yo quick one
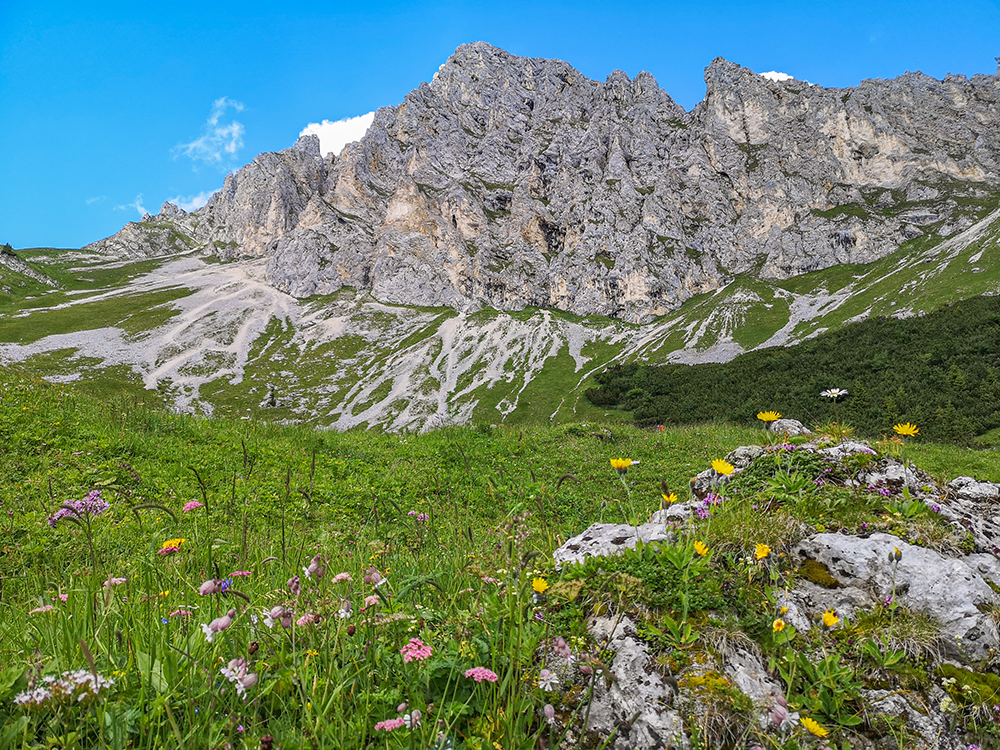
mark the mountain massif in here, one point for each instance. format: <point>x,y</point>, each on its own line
<point>514,229</point>
<point>511,183</point>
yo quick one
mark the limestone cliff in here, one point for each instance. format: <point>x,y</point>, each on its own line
<point>510,182</point>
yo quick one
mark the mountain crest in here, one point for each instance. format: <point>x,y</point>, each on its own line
<point>512,182</point>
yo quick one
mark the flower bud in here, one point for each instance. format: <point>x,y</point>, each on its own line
<point>778,715</point>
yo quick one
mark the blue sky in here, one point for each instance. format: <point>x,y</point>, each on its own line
<point>105,109</point>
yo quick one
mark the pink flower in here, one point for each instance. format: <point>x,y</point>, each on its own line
<point>113,582</point>
<point>218,625</point>
<point>342,577</point>
<point>239,573</point>
<point>167,551</point>
<point>179,613</point>
<point>307,619</point>
<point>481,673</point>
<point>211,586</point>
<point>316,568</point>
<point>371,601</point>
<point>193,505</point>
<point>46,608</point>
<point>61,597</point>
<point>415,650</point>
<point>389,724</point>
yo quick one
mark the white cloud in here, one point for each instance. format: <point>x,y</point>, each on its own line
<point>773,75</point>
<point>333,136</point>
<point>219,142</point>
<point>192,202</point>
<point>136,204</point>
<point>96,199</point>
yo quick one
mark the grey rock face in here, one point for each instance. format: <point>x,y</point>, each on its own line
<point>603,539</point>
<point>511,182</point>
<point>790,427</point>
<point>948,590</point>
<point>635,702</point>
<point>171,231</point>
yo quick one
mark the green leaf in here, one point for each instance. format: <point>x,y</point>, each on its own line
<point>151,671</point>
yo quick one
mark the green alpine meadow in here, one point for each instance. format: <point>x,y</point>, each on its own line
<point>535,411</point>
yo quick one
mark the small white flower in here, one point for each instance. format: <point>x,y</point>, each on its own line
<point>343,614</point>
<point>548,680</point>
<point>209,633</point>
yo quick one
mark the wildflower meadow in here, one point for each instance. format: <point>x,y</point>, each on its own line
<point>171,581</point>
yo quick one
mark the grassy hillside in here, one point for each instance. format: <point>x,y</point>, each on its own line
<point>210,338</point>
<point>939,370</point>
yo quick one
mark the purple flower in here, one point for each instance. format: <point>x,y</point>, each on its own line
<point>90,507</point>
<point>193,505</point>
<point>702,512</point>
<point>936,508</point>
<point>885,492</point>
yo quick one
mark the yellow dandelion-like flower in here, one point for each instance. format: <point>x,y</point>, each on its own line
<point>783,610</point>
<point>312,652</point>
<point>722,466</point>
<point>768,416</point>
<point>173,543</point>
<point>830,619</point>
<point>667,500</point>
<point>906,428</point>
<point>621,464</point>
<point>761,551</point>
<point>814,727</point>
<point>778,625</point>
<point>701,548</point>
<point>540,585</point>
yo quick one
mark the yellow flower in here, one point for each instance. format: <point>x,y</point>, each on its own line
<point>768,416</point>
<point>668,500</point>
<point>312,652</point>
<point>762,551</point>
<point>723,467</point>
<point>814,727</point>
<point>165,593</point>
<point>778,625</point>
<point>783,610</point>
<point>173,543</point>
<point>621,464</point>
<point>540,585</point>
<point>830,619</point>
<point>906,429</point>
<point>701,548</point>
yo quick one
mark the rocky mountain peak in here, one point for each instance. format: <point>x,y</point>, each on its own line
<point>510,182</point>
